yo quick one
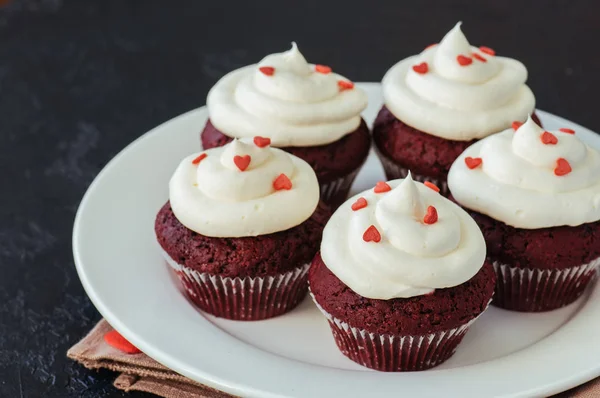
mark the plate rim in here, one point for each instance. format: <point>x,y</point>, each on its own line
<point>212,380</point>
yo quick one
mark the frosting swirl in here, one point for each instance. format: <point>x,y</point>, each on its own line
<point>530,178</point>
<point>414,256</point>
<point>238,190</point>
<point>459,92</point>
<point>288,100</point>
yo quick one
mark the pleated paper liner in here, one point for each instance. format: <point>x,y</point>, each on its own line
<point>335,192</point>
<point>395,353</point>
<point>243,299</point>
<point>536,290</point>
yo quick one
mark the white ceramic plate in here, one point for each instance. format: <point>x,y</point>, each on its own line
<point>504,354</point>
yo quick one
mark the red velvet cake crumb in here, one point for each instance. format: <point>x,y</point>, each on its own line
<point>423,154</point>
<point>545,248</point>
<point>239,257</point>
<point>443,310</point>
<point>540,269</point>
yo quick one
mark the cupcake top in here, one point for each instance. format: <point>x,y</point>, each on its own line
<point>283,97</point>
<point>530,178</point>
<point>245,188</point>
<point>456,91</point>
<point>401,239</point>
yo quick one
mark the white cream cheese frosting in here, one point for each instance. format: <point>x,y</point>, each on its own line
<point>458,92</point>
<point>288,100</point>
<point>243,189</point>
<point>530,178</point>
<point>412,256</point>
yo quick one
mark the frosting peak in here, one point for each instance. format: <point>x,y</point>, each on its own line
<point>241,149</point>
<point>285,98</point>
<point>405,199</point>
<point>400,214</point>
<point>464,92</point>
<point>454,45</point>
<point>528,144</point>
<point>290,61</point>
<point>411,257</point>
<point>232,192</point>
<point>530,178</point>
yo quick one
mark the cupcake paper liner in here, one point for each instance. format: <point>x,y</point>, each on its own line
<point>243,299</point>
<point>335,192</point>
<point>395,353</point>
<point>536,290</point>
<point>394,171</point>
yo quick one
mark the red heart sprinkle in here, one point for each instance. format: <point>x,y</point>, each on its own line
<point>516,125</point>
<point>360,203</point>
<point>566,130</point>
<point>431,45</point>
<point>487,50</point>
<point>267,70</point>
<point>242,162</point>
<point>473,163</point>
<point>431,216</point>
<point>282,182</point>
<point>323,69</point>
<point>549,138</point>
<point>562,167</point>
<point>262,142</point>
<point>199,158</point>
<point>421,68</point>
<point>431,186</point>
<point>381,187</point>
<point>345,85</point>
<point>464,61</point>
<point>479,57</point>
<point>114,339</point>
<point>372,235</point>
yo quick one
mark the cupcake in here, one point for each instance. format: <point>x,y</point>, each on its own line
<point>304,109</point>
<point>438,103</point>
<point>401,276</point>
<point>536,196</point>
<point>241,227</point>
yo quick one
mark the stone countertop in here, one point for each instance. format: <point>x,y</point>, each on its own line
<point>80,79</point>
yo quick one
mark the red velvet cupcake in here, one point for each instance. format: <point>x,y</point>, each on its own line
<point>401,276</point>
<point>536,196</point>
<point>304,109</point>
<point>240,229</point>
<point>441,101</point>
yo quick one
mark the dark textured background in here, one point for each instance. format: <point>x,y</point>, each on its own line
<point>81,79</point>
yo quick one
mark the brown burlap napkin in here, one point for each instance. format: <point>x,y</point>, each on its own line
<point>138,372</point>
